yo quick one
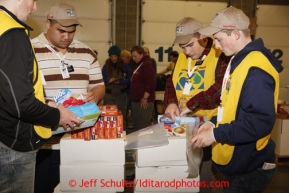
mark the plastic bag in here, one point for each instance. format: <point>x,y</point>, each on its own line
<point>194,156</point>
<point>152,136</point>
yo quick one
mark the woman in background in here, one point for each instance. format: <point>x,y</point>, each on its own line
<point>116,76</point>
<point>147,53</point>
<point>142,88</point>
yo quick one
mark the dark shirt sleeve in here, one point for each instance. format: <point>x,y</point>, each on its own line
<point>16,87</point>
<point>255,114</point>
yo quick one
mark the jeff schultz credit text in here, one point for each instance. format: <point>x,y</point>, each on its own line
<point>146,183</point>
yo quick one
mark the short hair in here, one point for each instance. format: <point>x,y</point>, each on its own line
<point>174,54</point>
<point>125,53</point>
<point>246,32</point>
<point>197,35</point>
<point>146,50</point>
<point>138,49</point>
<point>52,21</point>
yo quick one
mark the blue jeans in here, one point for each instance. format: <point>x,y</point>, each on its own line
<point>253,182</point>
<point>16,171</point>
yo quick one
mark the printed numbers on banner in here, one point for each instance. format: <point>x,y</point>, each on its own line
<point>160,51</point>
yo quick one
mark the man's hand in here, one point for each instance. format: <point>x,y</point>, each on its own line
<point>185,110</point>
<point>204,136</point>
<point>52,104</point>
<point>90,97</point>
<point>67,118</point>
<point>172,110</point>
<point>96,94</point>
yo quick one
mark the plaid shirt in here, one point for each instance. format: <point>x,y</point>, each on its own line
<point>208,99</point>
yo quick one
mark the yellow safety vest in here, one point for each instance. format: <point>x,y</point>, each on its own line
<point>202,78</point>
<point>44,132</point>
<point>222,154</point>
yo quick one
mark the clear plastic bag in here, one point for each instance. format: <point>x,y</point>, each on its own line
<point>194,155</point>
<point>152,136</point>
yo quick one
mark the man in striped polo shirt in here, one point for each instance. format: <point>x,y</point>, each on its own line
<point>64,63</point>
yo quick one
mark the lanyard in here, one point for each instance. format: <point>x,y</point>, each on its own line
<point>191,72</point>
<point>135,71</point>
<point>137,68</point>
<point>56,53</point>
<point>226,77</point>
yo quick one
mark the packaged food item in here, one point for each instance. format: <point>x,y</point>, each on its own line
<point>113,132</point>
<point>109,127</point>
<point>67,98</point>
<point>108,110</point>
<point>180,122</point>
<point>107,133</point>
<point>179,131</point>
<point>79,134</point>
<point>100,127</point>
<point>87,113</point>
<point>168,122</point>
<point>107,122</point>
<point>74,134</point>
<point>120,125</point>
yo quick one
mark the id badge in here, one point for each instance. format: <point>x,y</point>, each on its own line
<point>220,113</point>
<point>187,88</point>
<point>64,71</point>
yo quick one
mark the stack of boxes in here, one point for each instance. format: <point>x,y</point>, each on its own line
<point>92,165</point>
<point>163,168</point>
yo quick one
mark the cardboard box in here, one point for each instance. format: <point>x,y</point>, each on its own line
<point>89,112</point>
<point>280,134</point>
<point>169,155</point>
<point>92,178</point>
<point>101,151</point>
<point>165,179</point>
